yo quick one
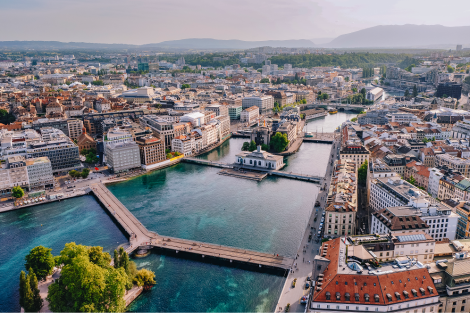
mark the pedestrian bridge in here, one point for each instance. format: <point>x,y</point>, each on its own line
<point>141,238</point>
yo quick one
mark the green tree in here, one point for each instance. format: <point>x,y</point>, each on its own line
<point>85,172</point>
<point>27,299</point>
<point>169,155</point>
<point>98,257</point>
<point>116,259</point>
<point>22,288</point>
<point>415,91</point>
<point>279,142</point>
<point>252,146</point>
<point>264,147</point>
<point>363,92</point>
<point>41,261</point>
<point>354,119</point>
<point>264,80</point>
<point>97,83</point>
<point>37,302</point>
<point>304,101</point>
<point>362,173</point>
<point>145,277</point>
<point>450,69</point>
<point>17,192</point>
<point>185,86</point>
<point>246,146</point>
<point>87,287</point>
<point>6,118</point>
<point>412,180</point>
<point>407,93</point>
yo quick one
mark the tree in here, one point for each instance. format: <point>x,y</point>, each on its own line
<point>97,83</point>
<point>144,277</point>
<point>264,147</point>
<point>37,302</point>
<point>354,119</point>
<point>41,261</point>
<point>264,80</point>
<point>415,91</point>
<point>22,288</point>
<point>85,172</point>
<point>98,257</point>
<point>6,118</point>
<point>412,180</point>
<point>279,142</point>
<point>252,146</point>
<point>246,146</point>
<point>185,86</point>
<point>86,287</point>
<point>116,259</point>
<point>407,93</point>
<point>450,69</point>
<point>17,192</point>
<point>362,173</point>
<point>27,298</point>
<point>346,78</point>
<point>363,92</point>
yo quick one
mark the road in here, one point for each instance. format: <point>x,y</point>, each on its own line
<point>307,250</point>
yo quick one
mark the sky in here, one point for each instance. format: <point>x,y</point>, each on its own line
<point>152,21</point>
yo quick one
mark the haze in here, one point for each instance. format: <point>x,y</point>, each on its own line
<point>151,21</point>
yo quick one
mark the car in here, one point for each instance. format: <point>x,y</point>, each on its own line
<point>323,214</point>
<point>304,299</point>
<point>307,285</point>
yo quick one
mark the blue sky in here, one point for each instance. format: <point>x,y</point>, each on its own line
<point>150,21</point>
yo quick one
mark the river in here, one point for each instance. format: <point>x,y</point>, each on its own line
<point>186,201</point>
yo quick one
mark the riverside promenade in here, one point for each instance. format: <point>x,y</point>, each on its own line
<point>140,238</point>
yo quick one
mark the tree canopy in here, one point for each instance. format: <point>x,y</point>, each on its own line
<point>17,192</point>
<point>279,142</point>
<point>362,173</point>
<point>6,118</point>
<point>41,261</point>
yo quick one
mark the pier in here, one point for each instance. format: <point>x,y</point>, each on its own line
<point>141,238</point>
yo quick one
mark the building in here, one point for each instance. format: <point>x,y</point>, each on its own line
<point>340,214</point>
<point>354,151</point>
<point>250,115</point>
<point>219,109</point>
<point>122,156</point>
<point>234,111</point>
<point>376,117</point>
<point>183,144</point>
<point>455,163</point>
<point>435,175</point>
<point>61,124</point>
<point>264,103</point>
<point>419,172</point>
<point>397,162</point>
<point>40,173</point>
<point>260,159</point>
<point>85,141</point>
<point>290,130</point>
<point>402,207</point>
<point>341,283</point>
<point>13,173</point>
<point>152,150</point>
<point>449,89</point>
<point>75,128</point>
<point>375,94</point>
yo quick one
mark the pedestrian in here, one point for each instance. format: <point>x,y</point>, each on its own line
<point>303,260</point>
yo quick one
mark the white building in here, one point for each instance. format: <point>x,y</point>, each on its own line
<point>435,176</point>
<point>260,159</point>
<point>250,115</point>
<point>375,94</point>
<point>183,144</point>
<point>264,103</point>
<point>122,157</point>
<point>40,173</point>
<point>195,118</point>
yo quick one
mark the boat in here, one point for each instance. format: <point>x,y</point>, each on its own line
<point>316,115</point>
<point>332,111</point>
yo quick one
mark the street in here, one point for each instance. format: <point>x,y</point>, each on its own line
<point>307,249</point>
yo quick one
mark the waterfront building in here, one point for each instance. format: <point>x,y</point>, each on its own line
<point>376,117</point>
<point>40,173</point>
<point>195,118</point>
<point>250,115</point>
<point>261,135</point>
<point>264,103</point>
<point>13,173</point>
<point>234,111</point>
<point>342,284</point>
<point>375,94</point>
<point>166,130</point>
<point>183,144</point>
<point>260,159</point>
<point>152,150</point>
<point>122,156</point>
<point>290,130</point>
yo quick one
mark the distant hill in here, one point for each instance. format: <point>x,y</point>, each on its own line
<point>45,45</point>
<point>208,43</point>
<point>404,36</point>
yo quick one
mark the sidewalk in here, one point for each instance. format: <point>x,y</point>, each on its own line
<point>303,268</point>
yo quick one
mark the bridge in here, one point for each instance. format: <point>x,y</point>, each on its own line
<point>141,238</point>
<point>297,176</point>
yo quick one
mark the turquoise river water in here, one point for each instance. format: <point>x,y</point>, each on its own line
<point>186,201</point>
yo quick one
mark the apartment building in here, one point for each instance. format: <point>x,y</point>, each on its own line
<point>40,173</point>
<point>234,111</point>
<point>435,175</point>
<point>354,151</point>
<point>161,128</point>
<point>13,173</point>
<point>122,156</point>
<point>152,150</point>
<point>250,115</point>
<point>400,206</point>
<point>341,284</point>
<point>218,109</point>
<point>455,163</point>
<point>75,128</point>
<point>183,144</point>
<point>264,103</point>
<point>290,130</point>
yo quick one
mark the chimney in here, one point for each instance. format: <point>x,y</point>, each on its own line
<point>259,148</point>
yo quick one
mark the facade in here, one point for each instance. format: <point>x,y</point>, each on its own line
<point>62,153</point>
<point>40,173</point>
<point>218,109</point>
<point>260,159</point>
<point>183,145</point>
<point>250,115</point>
<point>290,130</point>
<point>355,152</point>
<point>455,163</point>
<point>75,128</point>
<point>264,103</point>
<point>342,284</point>
<point>234,111</point>
<point>449,89</point>
<point>122,157</point>
<point>152,150</point>
<point>375,94</point>
<point>13,173</point>
<point>376,117</point>
<point>435,176</point>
